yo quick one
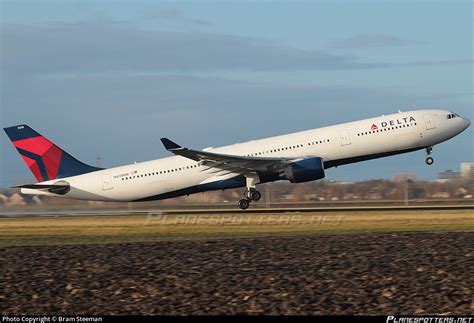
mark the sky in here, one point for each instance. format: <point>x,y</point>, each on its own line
<point>109,78</point>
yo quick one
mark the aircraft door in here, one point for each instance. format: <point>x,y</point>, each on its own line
<point>429,122</point>
<point>345,138</point>
<point>107,182</point>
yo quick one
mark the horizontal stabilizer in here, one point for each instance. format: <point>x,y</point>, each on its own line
<point>56,189</point>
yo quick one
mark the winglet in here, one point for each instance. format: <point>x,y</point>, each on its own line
<point>169,145</point>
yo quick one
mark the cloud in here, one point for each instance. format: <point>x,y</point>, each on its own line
<point>214,110</point>
<point>118,47</point>
<point>374,40</point>
<point>438,62</point>
<point>98,48</point>
<point>162,14</point>
<point>123,118</point>
<point>173,15</point>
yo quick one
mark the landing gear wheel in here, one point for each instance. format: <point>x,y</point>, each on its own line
<point>429,161</point>
<point>255,195</point>
<point>247,194</point>
<point>244,204</point>
<point>252,195</point>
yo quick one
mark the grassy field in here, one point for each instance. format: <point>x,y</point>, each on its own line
<point>120,229</point>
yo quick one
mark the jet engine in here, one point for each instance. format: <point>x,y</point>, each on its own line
<point>305,170</point>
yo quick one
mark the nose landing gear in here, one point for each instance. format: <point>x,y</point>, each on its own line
<point>429,160</point>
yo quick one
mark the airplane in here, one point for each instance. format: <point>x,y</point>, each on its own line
<point>297,157</point>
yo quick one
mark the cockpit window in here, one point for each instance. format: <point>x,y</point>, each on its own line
<point>452,115</point>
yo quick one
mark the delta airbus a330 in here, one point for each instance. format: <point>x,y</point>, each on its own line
<point>297,157</point>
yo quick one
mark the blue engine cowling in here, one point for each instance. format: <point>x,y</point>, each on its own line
<point>305,170</point>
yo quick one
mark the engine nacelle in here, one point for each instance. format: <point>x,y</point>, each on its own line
<point>305,170</point>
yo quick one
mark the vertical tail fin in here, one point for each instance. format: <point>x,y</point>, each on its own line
<point>45,160</point>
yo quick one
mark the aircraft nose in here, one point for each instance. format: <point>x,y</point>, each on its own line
<point>467,123</point>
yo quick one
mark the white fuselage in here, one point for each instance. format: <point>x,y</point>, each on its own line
<point>336,145</point>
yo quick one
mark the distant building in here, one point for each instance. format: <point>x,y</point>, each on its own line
<point>448,175</point>
<point>467,170</point>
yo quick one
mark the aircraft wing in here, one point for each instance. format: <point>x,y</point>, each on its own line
<point>228,163</point>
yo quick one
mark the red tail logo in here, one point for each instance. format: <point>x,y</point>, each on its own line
<point>43,159</point>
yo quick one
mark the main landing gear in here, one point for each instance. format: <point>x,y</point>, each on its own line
<point>429,160</point>
<point>250,194</point>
